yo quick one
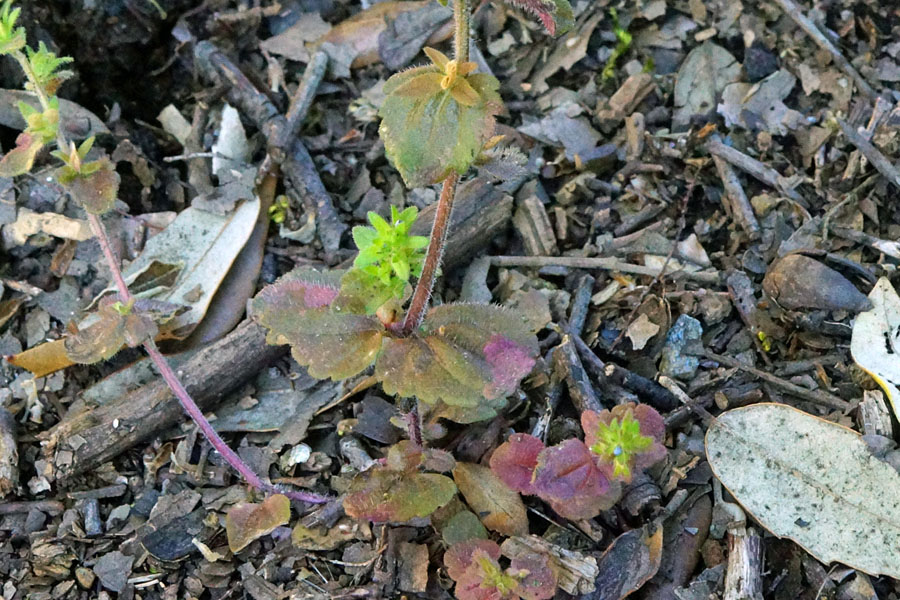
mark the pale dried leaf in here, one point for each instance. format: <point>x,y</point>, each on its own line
<point>812,481</point>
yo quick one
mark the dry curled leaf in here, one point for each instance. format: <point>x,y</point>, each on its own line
<point>246,522</point>
<point>500,508</point>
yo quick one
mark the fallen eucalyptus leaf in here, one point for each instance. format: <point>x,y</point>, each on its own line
<point>812,481</point>
<point>875,345</point>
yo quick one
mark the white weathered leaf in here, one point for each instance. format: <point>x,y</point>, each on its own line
<point>875,344</point>
<point>700,80</point>
<point>812,481</point>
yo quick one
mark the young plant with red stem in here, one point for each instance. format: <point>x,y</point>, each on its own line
<point>94,184</point>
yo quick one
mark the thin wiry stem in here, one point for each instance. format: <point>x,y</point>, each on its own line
<point>165,369</point>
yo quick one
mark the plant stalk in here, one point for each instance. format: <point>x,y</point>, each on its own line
<point>441,227</point>
<point>165,370</point>
<point>425,285</point>
<point>461,19</point>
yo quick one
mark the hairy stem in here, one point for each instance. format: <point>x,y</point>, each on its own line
<point>461,18</point>
<point>414,426</point>
<point>439,230</point>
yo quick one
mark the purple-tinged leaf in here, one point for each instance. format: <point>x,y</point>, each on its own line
<point>537,580</point>
<point>514,461</point>
<point>628,437</point>
<point>474,566</point>
<point>555,15</point>
<point>509,362</point>
<point>247,522</point>
<point>458,557</point>
<point>454,356</point>
<point>567,478</point>
<point>331,342</point>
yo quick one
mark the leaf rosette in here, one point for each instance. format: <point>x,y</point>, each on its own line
<point>465,355</point>
<point>436,119</point>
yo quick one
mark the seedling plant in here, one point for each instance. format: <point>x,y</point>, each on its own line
<point>437,121</point>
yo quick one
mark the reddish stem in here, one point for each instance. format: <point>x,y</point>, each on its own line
<point>414,426</point>
<point>171,379</point>
<point>439,230</point>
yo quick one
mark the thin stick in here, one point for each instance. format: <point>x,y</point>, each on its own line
<point>814,396</point>
<point>662,271</point>
<point>873,154</point>
<point>439,231</point>
<point>752,167</point>
<point>791,9</point>
<point>599,262</point>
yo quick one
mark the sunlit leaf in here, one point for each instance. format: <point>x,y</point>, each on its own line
<point>462,354</point>
<point>382,495</point>
<point>437,121</point>
<point>628,437</point>
<point>332,343</point>
<point>514,461</point>
<point>567,478</point>
<point>875,344</point>
<point>247,522</point>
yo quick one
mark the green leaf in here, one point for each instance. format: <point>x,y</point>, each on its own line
<point>247,522</point>
<point>46,68</point>
<point>364,293</point>
<point>364,236</point>
<point>427,132</point>
<point>463,354</point>
<point>332,343</point>
<point>12,38</point>
<point>387,257</point>
<point>461,527</point>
